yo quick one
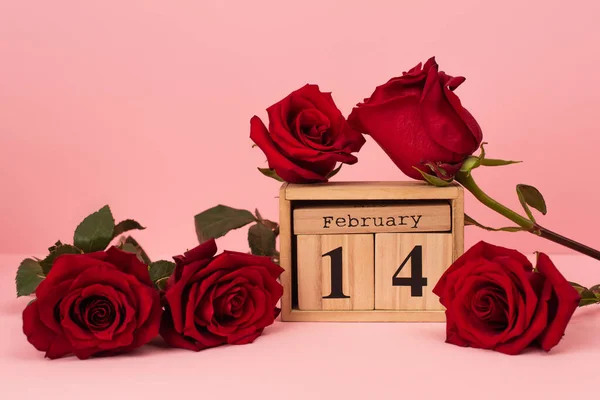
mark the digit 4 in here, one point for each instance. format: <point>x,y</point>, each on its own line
<point>416,281</point>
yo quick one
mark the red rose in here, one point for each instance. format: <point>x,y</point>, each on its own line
<point>495,300</point>
<point>98,303</point>
<point>419,122</point>
<point>307,136</point>
<point>212,300</point>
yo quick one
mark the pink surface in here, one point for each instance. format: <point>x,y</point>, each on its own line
<point>311,361</point>
<point>145,104</point>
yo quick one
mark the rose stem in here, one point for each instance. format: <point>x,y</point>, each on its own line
<point>469,183</point>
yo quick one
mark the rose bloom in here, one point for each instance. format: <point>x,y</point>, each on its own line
<point>419,122</point>
<point>210,301</point>
<point>93,304</point>
<point>495,300</point>
<point>307,136</point>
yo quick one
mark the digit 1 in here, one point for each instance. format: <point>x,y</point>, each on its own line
<point>337,290</point>
<point>416,280</point>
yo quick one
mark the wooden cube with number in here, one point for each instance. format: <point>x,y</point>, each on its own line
<point>367,251</point>
<point>335,272</point>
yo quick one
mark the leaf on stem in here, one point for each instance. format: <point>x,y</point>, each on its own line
<point>29,276</point>
<point>491,162</point>
<point>334,172</point>
<point>470,163</point>
<point>131,245</point>
<point>126,226</point>
<point>473,162</point>
<point>218,221</point>
<point>160,269</point>
<point>55,252</point>
<point>161,284</point>
<point>530,196</point>
<point>588,296</point>
<point>270,173</point>
<point>261,240</point>
<point>95,232</point>
<point>471,221</point>
<point>434,180</point>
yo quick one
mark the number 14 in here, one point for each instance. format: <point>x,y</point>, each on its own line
<point>416,281</point>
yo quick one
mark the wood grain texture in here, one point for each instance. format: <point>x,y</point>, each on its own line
<point>410,190</point>
<point>458,224</point>
<point>315,272</point>
<point>432,216</point>
<point>366,316</point>
<point>285,252</point>
<point>391,250</point>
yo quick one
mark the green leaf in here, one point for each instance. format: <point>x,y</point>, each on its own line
<point>57,244</point>
<point>161,269</point>
<point>576,285</point>
<point>491,162</point>
<point>29,276</point>
<point>270,173</point>
<point>57,251</point>
<point>161,284</point>
<point>530,196</point>
<point>470,163</point>
<point>473,162</point>
<point>334,172</point>
<point>588,297</point>
<point>274,226</point>
<point>596,290</point>
<point>432,179</point>
<point>131,245</point>
<point>126,226</point>
<point>95,232</point>
<point>217,221</point>
<point>471,221</point>
<point>261,240</point>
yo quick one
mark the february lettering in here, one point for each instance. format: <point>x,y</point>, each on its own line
<point>353,222</point>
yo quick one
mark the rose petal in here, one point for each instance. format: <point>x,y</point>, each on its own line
<point>129,264</point>
<point>285,168</point>
<point>396,127</point>
<point>247,339</point>
<point>566,301</point>
<point>536,326</point>
<point>441,121</point>
<point>40,336</point>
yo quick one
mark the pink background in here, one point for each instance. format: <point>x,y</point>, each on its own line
<point>145,105</point>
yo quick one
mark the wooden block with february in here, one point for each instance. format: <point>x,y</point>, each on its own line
<point>432,216</point>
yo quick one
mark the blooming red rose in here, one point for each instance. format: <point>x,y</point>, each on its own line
<point>495,300</point>
<point>307,136</point>
<point>212,300</point>
<point>419,122</point>
<point>93,304</point>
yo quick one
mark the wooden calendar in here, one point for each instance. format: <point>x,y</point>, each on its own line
<point>367,251</point>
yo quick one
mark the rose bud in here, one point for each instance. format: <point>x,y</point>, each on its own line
<point>495,300</point>
<point>93,304</point>
<point>307,136</point>
<point>419,122</point>
<point>210,301</point>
